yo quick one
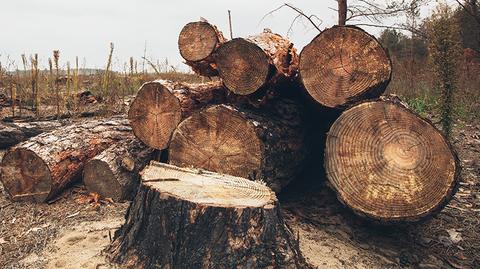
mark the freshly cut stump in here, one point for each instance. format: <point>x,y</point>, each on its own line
<point>197,42</point>
<point>114,173</point>
<point>160,106</point>
<point>249,64</point>
<point>387,163</point>
<point>244,143</point>
<point>182,218</point>
<point>344,65</point>
<point>41,167</point>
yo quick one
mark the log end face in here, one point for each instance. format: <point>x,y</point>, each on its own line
<point>243,66</point>
<point>25,176</point>
<point>343,65</point>
<point>218,139</point>
<point>154,115</point>
<point>99,178</point>
<point>388,164</point>
<point>197,41</point>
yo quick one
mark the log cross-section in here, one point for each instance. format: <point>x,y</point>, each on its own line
<point>387,163</point>
<point>247,65</point>
<point>344,65</point>
<point>186,218</point>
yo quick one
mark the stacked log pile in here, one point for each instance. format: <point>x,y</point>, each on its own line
<point>252,126</point>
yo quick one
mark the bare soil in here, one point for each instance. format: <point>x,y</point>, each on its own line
<point>71,232</point>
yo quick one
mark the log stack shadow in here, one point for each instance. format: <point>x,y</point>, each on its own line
<point>272,122</point>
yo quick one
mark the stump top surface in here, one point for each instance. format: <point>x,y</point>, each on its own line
<point>205,187</point>
<point>243,66</point>
<point>342,63</point>
<point>387,163</point>
<point>25,176</point>
<point>154,114</point>
<point>197,41</point>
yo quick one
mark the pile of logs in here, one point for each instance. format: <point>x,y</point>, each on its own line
<point>234,143</point>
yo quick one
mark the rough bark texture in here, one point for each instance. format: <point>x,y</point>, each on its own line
<point>342,12</point>
<point>160,106</point>
<point>387,163</point>
<point>197,43</point>
<point>41,167</point>
<point>247,65</point>
<point>16,132</point>
<point>344,65</point>
<point>114,173</point>
<point>184,218</point>
<point>266,145</point>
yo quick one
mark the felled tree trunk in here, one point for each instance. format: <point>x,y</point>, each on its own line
<point>41,167</point>
<point>183,218</point>
<point>197,42</point>
<point>160,106</point>
<point>344,65</point>
<point>14,133</point>
<point>114,173</point>
<point>247,65</point>
<point>387,163</point>
<point>266,145</point>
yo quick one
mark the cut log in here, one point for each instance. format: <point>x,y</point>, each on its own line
<point>249,64</point>
<point>114,173</point>
<point>197,42</point>
<point>387,163</point>
<point>160,106</point>
<point>12,133</point>
<point>344,65</point>
<point>267,146</point>
<point>38,169</point>
<point>183,218</point>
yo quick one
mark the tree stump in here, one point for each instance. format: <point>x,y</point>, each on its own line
<point>114,173</point>
<point>41,167</point>
<point>265,145</point>
<point>388,164</point>
<point>197,42</point>
<point>344,65</point>
<point>182,218</point>
<point>160,106</point>
<point>249,64</point>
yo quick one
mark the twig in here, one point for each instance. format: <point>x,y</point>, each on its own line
<point>300,14</point>
<point>152,65</point>
<point>230,23</point>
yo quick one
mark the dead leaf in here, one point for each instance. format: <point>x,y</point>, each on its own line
<point>455,237</point>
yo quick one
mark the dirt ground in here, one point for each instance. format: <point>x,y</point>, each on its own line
<point>71,233</point>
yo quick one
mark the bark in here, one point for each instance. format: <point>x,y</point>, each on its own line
<point>16,132</point>
<point>41,167</point>
<point>247,65</point>
<point>212,221</point>
<point>344,65</point>
<point>387,163</point>
<point>114,173</point>
<point>160,106</point>
<point>267,144</point>
<point>197,43</point>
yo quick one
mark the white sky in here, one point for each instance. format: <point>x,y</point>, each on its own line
<point>85,28</point>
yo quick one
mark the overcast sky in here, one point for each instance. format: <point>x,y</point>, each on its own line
<point>85,28</point>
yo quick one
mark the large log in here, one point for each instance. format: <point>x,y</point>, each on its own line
<point>197,43</point>
<point>344,65</point>
<point>38,169</point>
<point>247,65</point>
<point>387,163</point>
<point>12,133</point>
<point>114,173</point>
<point>182,218</point>
<point>160,106</point>
<point>267,145</point>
